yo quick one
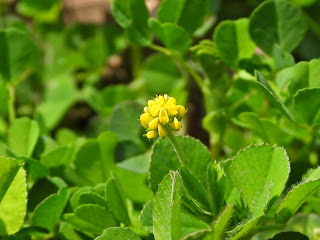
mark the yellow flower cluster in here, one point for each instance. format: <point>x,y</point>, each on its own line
<point>162,113</point>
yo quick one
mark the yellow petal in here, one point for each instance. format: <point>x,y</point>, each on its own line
<point>145,118</point>
<point>154,123</point>
<point>162,131</point>
<point>166,97</point>
<point>172,110</point>
<point>160,100</point>
<point>146,109</point>
<point>175,125</point>
<point>181,111</point>
<point>154,110</point>
<point>151,103</point>
<point>163,117</point>
<point>152,134</point>
<point>172,101</point>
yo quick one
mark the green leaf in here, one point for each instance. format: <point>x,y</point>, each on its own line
<point>118,233</point>
<point>146,216</point>
<point>91,218</point>
<point>124,121</point>
<point>189,223</point>
<point>160,74</point>
<point>244,229</point>
<point>13,196</point>
<point>48,212</point>
<point>92,198</point>
<point>60,94</point>
<point>289,236</point>
<point>271,95</point>
<point>306,103</point>
<point>116,201</point>
<point>132,174</point>
<point>95,159</point>
<point>22,136</point>
<point>17,51</point>
<point>304,75</point>
<point>188,14</point>
<point>34,168</point>
<point>57,157</point>
<point>277,22</point>
<point>166,209</point>
<point>268,130</point>
<point>222,223</point>
<point>295,198</point>
<point>133,16</point>
<point>46,10</point>
<point>233,41</point>
<point>195,188</point>
<point>281,58</point>
<point>103,101</point>
<point>67,232</point>
<point>164,159</point>
<point>173,36</point>
<point>260,174</point>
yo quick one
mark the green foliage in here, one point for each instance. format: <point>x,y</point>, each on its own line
<point>277,22</point>
<point>12,206</point>
<point>75,162</point>
<point>17,53</point>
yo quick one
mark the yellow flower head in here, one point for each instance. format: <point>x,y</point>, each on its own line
<point>161,114</point>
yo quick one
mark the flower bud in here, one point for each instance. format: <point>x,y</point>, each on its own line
<point>163,116</point>
<point>175,125</point>
<point>152,134</point>
<point>162,131</point>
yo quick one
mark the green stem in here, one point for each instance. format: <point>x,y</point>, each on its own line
<point>11,102</point>
<point>198,79</point>
<point>176,146</point>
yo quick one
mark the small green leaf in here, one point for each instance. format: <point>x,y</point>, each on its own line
<point>4,97</point>
<point>188,14</point>
<point>233,41</point>
<point>306,103</point>
<point>222,222</point>
<point>173,36</point>
<point>91,218</point>
<point>242,230</point>
<point>166,209</point>
<point>133,16</point>
<point>260,174</point>
<point>95,159</point>
<point>146,216</point>
<point>68,232</point>
<point>22,136</point>
<point>60,94</point>
<point>160,74</point>
<point>289,236</point>
<point>304,75</point>
<point>277,22</point>
<point>49,211</point>
<point>17,51</point>
<point>281,58</point>
<point>118,233</point>
<point>274,99</point>
<point>194,188</point>
<point>164,159</point>
<point>57,157</point>
<point>124,121</point>
<point>116,201</point>
<point>13,196</point>
<point>132,174</point>
<point>46,10</point>
<point>295,198</point>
